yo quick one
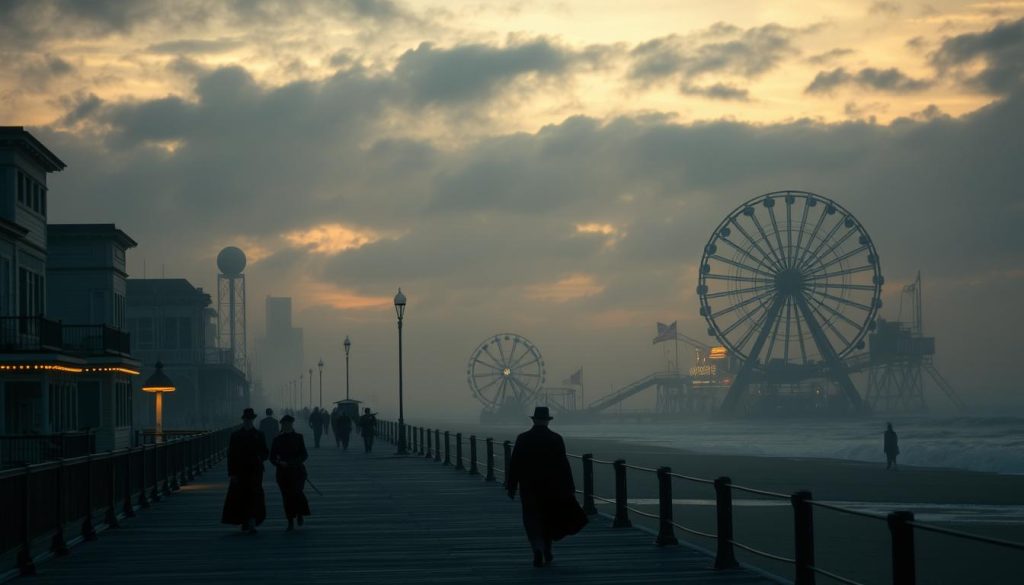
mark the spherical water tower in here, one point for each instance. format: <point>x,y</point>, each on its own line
<point>231,329</point>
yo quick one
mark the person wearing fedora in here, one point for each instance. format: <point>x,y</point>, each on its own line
<point>367,428</point>
<point>540,471</point>
<point>247,450</point>
<point>269,427</point>
<point>288,454</point>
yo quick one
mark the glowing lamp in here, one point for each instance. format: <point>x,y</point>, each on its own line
<point>400,304</point>
<point>158,384</point>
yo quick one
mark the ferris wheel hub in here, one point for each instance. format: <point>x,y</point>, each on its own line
<point>789,281</point>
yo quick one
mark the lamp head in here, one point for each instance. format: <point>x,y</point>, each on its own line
<point>320,364</point>
<point>400,304</point>
<point>348,345</point>
<point>159,381</point>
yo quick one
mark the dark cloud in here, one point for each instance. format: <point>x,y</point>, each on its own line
<point>882,7</point>
<point>1000,49</point>
<point>717,91</point>
<point>36,72</point>
<point>195,46</point>
<point>722,49</point>
<point>829,56</point>
<point>889,80</point>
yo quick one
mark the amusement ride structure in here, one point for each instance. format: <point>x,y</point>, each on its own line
<point>505,372</point>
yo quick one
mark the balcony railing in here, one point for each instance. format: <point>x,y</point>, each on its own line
<point>42,334</point>
<point>17,450</point>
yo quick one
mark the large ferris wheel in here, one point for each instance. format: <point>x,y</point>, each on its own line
<point>790,282</point>
<point>505,372</point>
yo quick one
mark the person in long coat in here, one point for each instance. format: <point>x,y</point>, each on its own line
<point>891,447</point>
<point>367,428</point>
<point>269,427</point>
<point>288,454</point>
<point>316,423</point>
<point>540,471</point>
<point>247,450</point>
<point>342,428</point>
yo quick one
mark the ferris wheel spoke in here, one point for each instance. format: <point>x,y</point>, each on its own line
<point>527,364</point>
<point>767,240</point>
<point>488,385</point>
<point>789,324</point>
<point>486,375</point>
<point>846,302</point>
<point>757,325</point>
<point>739,291</point>
<point>527,392</point>
<point>739,265</point>
<point>528,374</point>
<point>816,253</point>
<point>778,236</point>
<point>499,364</point>
<point>742,304</point>
<point>759,261</point>
<point>729,278</point>
<point>800,336</point>
<point>789,231</point>
<point>839,259</point>
<point>834,247</point>
<point>844,286</point>
<point>841,272</point>
<point>522,357</point>
<point>753,242</point>
<point>487,364</point>
<point>798,251</point>
<point>828,322</point>
<point>501,351</point>
<point>838,314</point>
<point>774,336</point>
<point>512,352</point>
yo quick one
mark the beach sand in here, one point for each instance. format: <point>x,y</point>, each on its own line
<point>854,547</point>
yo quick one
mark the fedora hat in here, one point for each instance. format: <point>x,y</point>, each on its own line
<point>248,413</point>
<point>287,418</point>
<point>541,413</point>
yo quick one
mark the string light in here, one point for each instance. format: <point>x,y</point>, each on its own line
<point>67,369</point>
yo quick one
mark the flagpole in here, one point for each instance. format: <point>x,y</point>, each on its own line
<point>677,353</point>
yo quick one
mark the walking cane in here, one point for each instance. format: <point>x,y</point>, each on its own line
<point>318,492</point>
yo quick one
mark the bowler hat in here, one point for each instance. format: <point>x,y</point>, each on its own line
<point>541,413</point>
<point>248,413</point>
<point>287,418</point>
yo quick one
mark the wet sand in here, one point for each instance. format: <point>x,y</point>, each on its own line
<point>857,548</point>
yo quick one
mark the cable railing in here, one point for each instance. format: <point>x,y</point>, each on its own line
<point>45,501</point>
<point>437,445</point>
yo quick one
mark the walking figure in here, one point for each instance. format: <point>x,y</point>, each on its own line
<point>316,423</point>
<point>367,427</point>
<point>892,447</point>
<point>269,427</point>
<point>247,450</point>
<point>540,470</point>
<point>289,455</point>
<point>342,428</point>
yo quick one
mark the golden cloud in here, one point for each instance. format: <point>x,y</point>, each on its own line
<point>571,287</point>
<point>333,238</point>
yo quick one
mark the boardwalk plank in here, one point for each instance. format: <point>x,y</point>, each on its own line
<point>381,520</point>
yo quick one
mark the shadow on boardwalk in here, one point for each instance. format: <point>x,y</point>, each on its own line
<point>380,520</point>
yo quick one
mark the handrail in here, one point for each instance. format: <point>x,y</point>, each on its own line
<point>901,524</point>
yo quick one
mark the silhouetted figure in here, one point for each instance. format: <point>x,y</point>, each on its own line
<point>316,423</point>
<point>540,471</point>
<point>325,420</point>
<point>289,455</point>
<point>367,427</point>
<point>342,428</point>
<point>247,450</point>
<point>892,447</point>
<point>269,427</point>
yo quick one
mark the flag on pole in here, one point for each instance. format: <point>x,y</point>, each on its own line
<point>666,332</point>
<point>576,379</point>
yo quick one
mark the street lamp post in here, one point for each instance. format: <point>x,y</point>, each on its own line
<point>320,365</point>
<point>159,383</point>
<point>348,347</point>
<point>302,383</point>
<point>311,388</point>
<point>400,311</point>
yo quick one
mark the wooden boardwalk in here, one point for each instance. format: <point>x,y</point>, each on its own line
<point>382,519</point>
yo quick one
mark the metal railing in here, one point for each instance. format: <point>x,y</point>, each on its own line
<point>20,450</point>
<point>901,524</point>
<point>41,334</point>
<point>47,501</point>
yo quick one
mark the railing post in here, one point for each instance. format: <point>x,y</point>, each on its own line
<point>143,501</point>
<point>154,494</point>
<point>422,449</point>
<point>904,570</point>
<point>427,451</point>
<point>490,460</point>
<point>447,449</point>
<point>588,484</point>
<point>621,499</point>
<point>127,509</point>
<point>458,453</point>
<point>507,446</point>
<point>437,444</point>
<point>666,531</point>
<point>25,563</point>
<point>174,462</point>
<point>803,538</point>
<point>58,545</point>
<point>88,530</point>
<point>472,456</point>
<point>165,447</point>
<point>725,557</point>
<point>111,517</point>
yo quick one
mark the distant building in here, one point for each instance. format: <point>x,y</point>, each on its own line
<point>171,321</point>
<point>280,353</point>
<point>65,362</point>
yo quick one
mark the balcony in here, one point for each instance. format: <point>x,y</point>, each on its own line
<point>39,334</point>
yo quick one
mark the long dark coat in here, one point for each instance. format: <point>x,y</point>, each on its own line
<point>540,471</point>
<point>342,425</point>
<point>892,443</point>
<point>289,454</point>
<point>247,450</point>
<point>367,424</point>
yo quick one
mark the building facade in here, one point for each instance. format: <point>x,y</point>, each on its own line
<point>280,355</point>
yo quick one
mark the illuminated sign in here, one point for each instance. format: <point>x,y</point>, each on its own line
<point>703,370</point>
<point>718,353</point>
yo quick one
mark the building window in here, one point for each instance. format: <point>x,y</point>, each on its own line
<point>5,287</point>
<point>31,293</point>
<point>21,187</point>
<point>145,333</point>
<point>123,404</point>
<point>185,333</point>
<point>63,407</point>
<point>119,311</point>
<point>170,333</point>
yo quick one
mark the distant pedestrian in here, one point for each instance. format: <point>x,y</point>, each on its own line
<point>269,427</point>
<point>316,423</point>
<point>892,447</point>
<point>342,428</point>
<point>325,420</point>
<point>367,428</point>
<point>247,450</point>
<point>540,471</point>
<point>289,455</point>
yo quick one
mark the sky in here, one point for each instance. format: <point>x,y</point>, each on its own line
<point>552,169</point>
